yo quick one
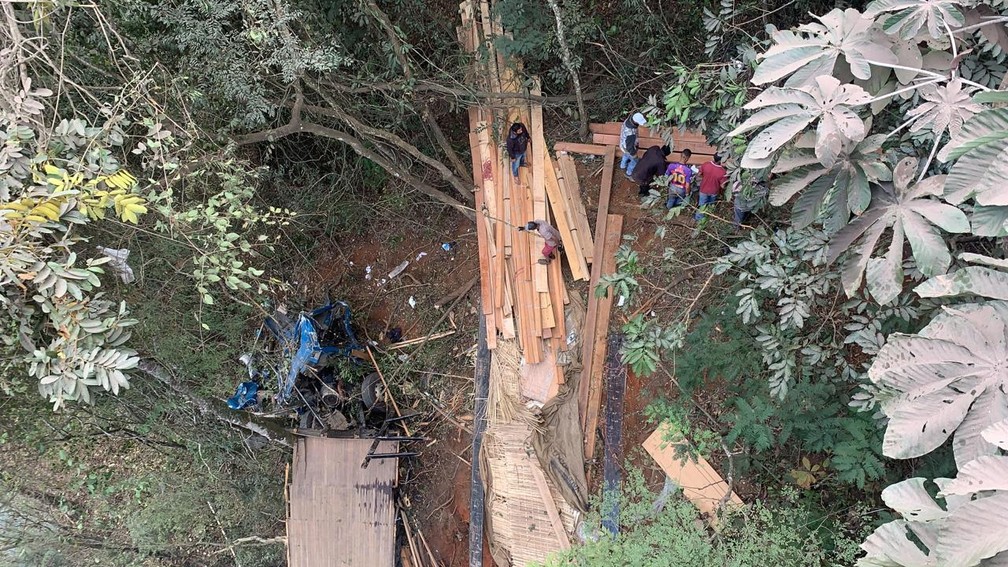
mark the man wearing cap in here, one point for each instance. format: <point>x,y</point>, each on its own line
<point>628,142</point>
<point>651,165</point>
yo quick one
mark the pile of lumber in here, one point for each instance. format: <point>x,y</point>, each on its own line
<point>607,134</point>
<point>521,298</point>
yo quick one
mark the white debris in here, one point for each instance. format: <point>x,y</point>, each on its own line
<point>622,300</point>
<point>420,255</point>
<point>367,273</point>
<point>412,302</point>
<point>398,269</point>
<point>118,263</point>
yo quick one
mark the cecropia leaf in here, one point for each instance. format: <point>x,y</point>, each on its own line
<point>890,546</point>
<point>913,15</point>
<point>813,50</point>
<point>976,280</point>
<point>911,213</point>
<point>980,149</point>
<point>911,499</point>
<point>953,370</point>
<point>975,531</point>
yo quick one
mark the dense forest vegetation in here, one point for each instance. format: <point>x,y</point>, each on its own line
<point>230,146</point>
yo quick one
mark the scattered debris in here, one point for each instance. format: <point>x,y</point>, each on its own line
<point>117,262</point>
<point>394,334</point>
<point>367,273</point>
<point>412,342</point>
<point>398,269</point>
<point>420,255</point>
<point>412,302</point>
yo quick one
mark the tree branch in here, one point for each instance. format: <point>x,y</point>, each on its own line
<point>362,150</point>
<point>460,167</point>
<point>334,111</point>
<point>244,421</point>
<point>465,95</point>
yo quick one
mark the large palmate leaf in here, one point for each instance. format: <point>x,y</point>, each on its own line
<point>976,280</point>
<point>786,112</point>
<point>981,148</point>
<point>949,378</point>
<point>912,214</point>
<point>913,15</point>
<point>830,193</point>
<point>970,529</point>
<point>813,50</point>
<point>946,106</point>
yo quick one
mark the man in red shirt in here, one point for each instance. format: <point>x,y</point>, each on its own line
<point>713,178</point>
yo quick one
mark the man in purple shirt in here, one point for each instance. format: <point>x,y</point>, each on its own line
<point>679,175</point>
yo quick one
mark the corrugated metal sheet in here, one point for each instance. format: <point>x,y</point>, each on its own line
<point>340,515</point>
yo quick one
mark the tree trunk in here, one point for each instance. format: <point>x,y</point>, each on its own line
<point>568,62</point>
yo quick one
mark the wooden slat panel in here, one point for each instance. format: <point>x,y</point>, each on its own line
<point>539,157</point>
<point>339,513</point>
<point>486,291</point>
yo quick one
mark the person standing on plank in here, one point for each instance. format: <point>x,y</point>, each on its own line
<point>517,146</point>
<point>713,178</point>
<point>679,175</point>
<point>628,142</point>
<point>550,234</point>
<point>649,167</point>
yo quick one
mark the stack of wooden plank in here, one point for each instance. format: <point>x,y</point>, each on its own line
<point>521,298</point>
<point>608,134</point>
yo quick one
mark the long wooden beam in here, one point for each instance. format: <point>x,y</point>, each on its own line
<point>588,343</point>
<point>614,233</point>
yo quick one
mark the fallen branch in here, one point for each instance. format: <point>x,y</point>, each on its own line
<point>388,392</point>
<point>421,340</point>
<point>457,293</point>
<point>242,420</point>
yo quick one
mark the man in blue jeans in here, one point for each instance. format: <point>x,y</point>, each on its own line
<point>679,175</point>
<point>628,142</point>
<point>713,178</point>
<point>517,145</point>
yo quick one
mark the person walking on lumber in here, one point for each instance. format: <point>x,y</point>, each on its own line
<point>651,165</point>
<point>550,234</point>
<point>628,142</point>
<point>713,178</point>
<point>679,175</point>
<point>517,146</point>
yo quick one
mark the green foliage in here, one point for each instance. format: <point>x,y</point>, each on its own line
<point>753,536</point>
<point>646,341</point>
<point>623,283</point>
<point>69,337</point>
<point>919,380</point>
